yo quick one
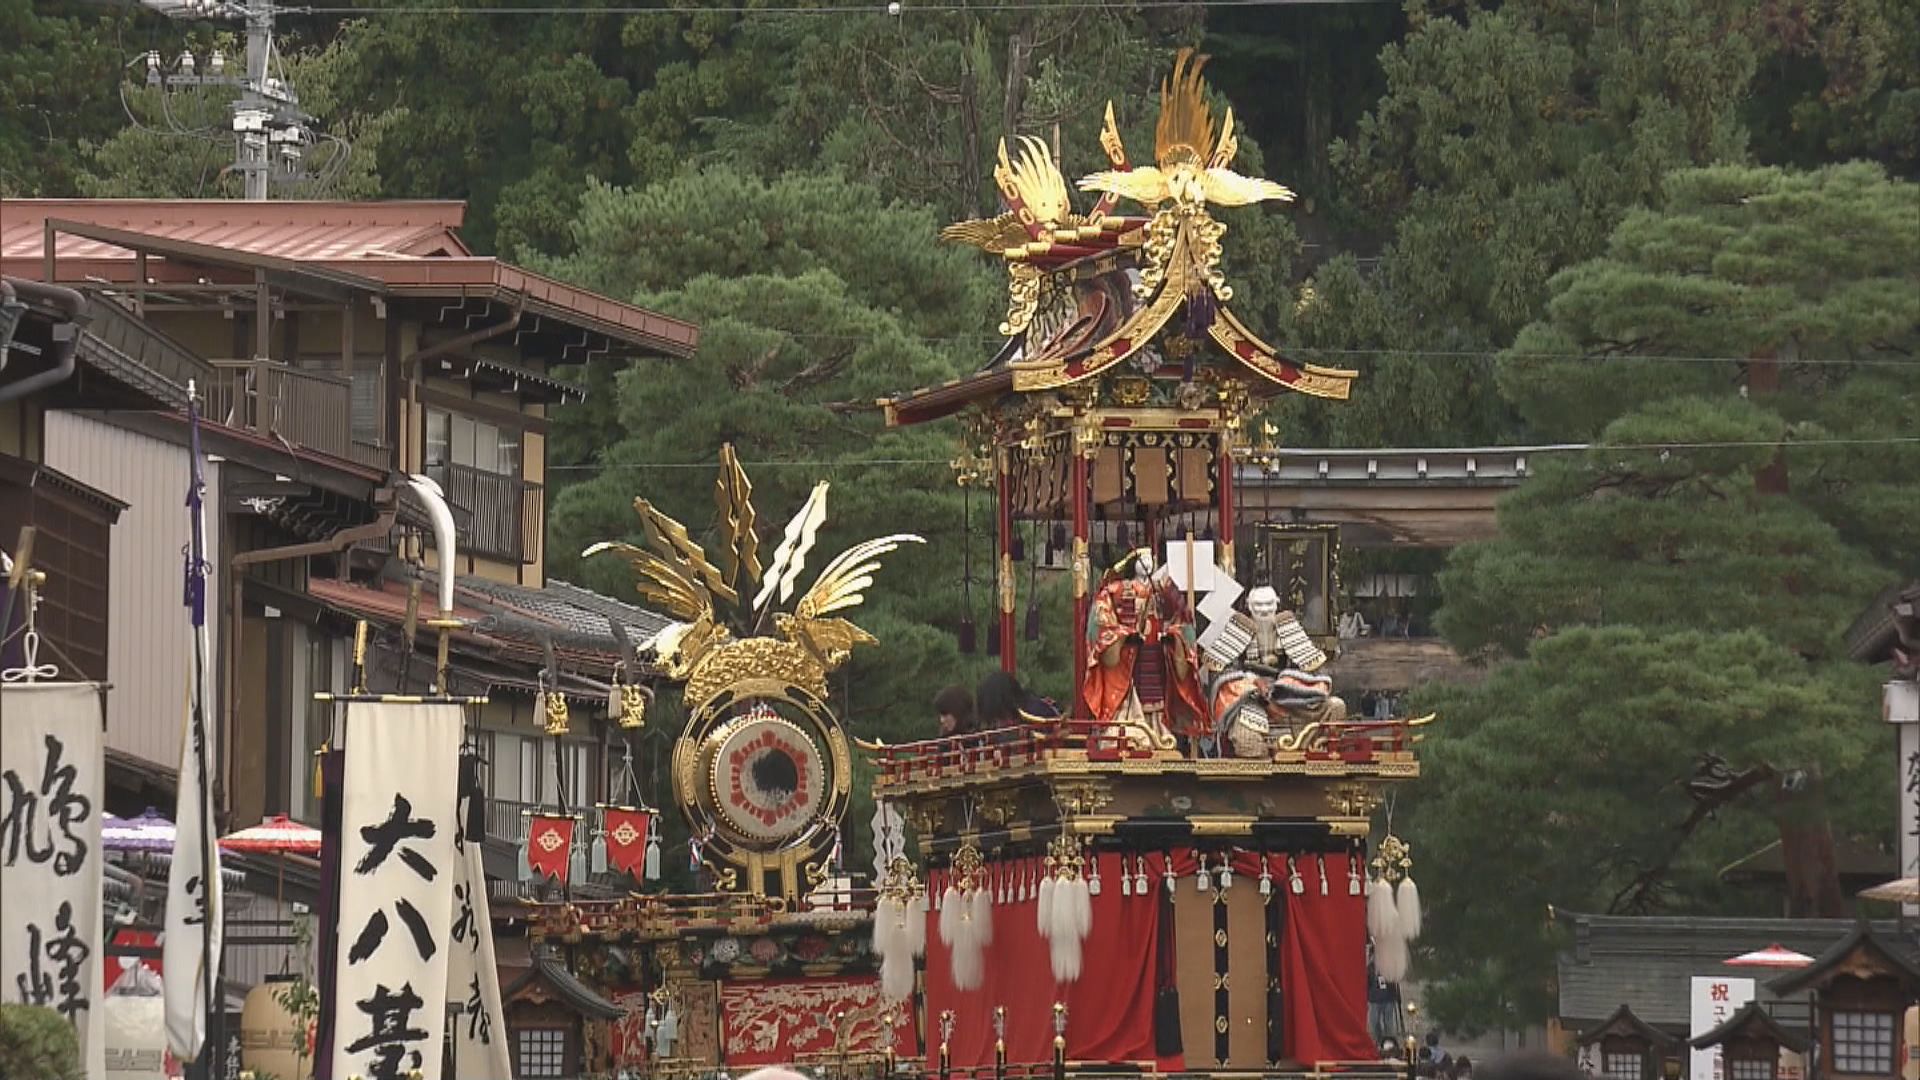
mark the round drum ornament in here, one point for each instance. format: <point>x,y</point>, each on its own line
<point>765,776</point>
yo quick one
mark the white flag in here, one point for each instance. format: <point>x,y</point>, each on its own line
<point>50,920</point>
<point>473,979</point>
<point>399,818</point>
<point>190,951</point>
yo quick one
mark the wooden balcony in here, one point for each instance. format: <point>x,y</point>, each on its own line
<point>310,409</point>
<point>506,514</point>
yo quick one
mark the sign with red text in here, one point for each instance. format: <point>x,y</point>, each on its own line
<point>1715,999</point>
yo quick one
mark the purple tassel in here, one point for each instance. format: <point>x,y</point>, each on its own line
<point>969,637</point>
<point>993,638</point>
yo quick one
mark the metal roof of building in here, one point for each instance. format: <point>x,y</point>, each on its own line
<point>287,230</point>
<point>1496,466</point>
<point>395,247</point>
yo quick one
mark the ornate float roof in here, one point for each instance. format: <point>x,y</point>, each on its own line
<point>1091,293</point>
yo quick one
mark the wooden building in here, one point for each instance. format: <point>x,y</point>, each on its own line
<point>1862,988</point>
<point>1751,1043</point>
<point>1625,1047</point>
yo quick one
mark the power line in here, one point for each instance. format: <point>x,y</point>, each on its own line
<point>888,10</point>
<point>1731,444</point>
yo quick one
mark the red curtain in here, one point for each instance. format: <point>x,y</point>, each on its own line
<point>1323,966</point>
<point>1109,1008</point>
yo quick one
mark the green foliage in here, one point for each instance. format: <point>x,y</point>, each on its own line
<point>37,1043</point>
<point>1682,587</point>
<point>1573,760</point>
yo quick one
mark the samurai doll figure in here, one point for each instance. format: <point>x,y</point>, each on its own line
<point>1268,693</point>
<point>1142,671</point>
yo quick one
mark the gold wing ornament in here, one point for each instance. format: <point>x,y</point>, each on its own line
<point>988,234</point>
<point>791,556</point>
<point>1224,187</point>
<point>1034,181</point>
<point>840,587</point>
<point>733,496</point>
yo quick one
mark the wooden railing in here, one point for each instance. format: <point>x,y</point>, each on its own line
<point>1353,742</point>
<point>507,512</point>
<point>311,409</point>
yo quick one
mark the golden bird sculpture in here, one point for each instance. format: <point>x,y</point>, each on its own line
<point>700,649</point>
<point>1191,164</point>
<point>1035,190</point>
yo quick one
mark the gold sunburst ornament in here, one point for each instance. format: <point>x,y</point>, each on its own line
<point>762,770</point>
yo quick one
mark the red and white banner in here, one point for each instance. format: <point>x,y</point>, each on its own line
<point>627,840</point>
<point>777,1021</point>
<point>627,1036</point>
<point>550,845</point>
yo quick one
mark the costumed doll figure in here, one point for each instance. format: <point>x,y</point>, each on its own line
<point>1142,672</point>
<point>1267,689</point>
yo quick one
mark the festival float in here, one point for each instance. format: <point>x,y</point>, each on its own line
<point>1175,870</point>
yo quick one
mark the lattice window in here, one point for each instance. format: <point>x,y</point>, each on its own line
<point>1625,1066</point>
<point>540,1052</point>
<point>1752,1068</point>
<point>1863,1042</point>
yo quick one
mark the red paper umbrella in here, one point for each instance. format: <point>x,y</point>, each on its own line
<point>277,835</point>
<point>1773,956</point>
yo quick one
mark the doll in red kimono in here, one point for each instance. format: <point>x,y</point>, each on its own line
<point>1141,667</point>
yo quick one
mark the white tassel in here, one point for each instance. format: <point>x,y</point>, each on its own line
<point>1390,959</point>
<point>951,913</point>
<point>1140,887</point>
<point>1126,878</point>
<point>1167,876</point>
<point>1226,871</point>
<point>882,927</point>
<point>1409,905</point>
<point>983,917</point>
<point>1045,913</point>
<point>1323,874</point>
<point>1201,879</point>
<point>653,850</point>
<point>1093,876</point>
<point>1266,876</point>
<point>1066,956</point>
<point>1353,875</point>
<point>1383,920</point>
<point>917,926</point>
<point>1294,880</point>
<point>1080,896</point>
<point>896,976</point>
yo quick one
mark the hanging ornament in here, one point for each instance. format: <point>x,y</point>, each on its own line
<point>1126,877</point>
<point>1266,875</point>
<point>1140,886</point>
<point>653,849</point>
<point>1202,881</point>
<point>1226,871</point>
<point>1294,881</point>
<point>1322,860</point>
<point>1167,873</point>
<point>1093,875</point>
<point>1354,887</point>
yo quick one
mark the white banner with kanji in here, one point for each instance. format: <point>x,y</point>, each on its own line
<point>51,776</point>
<point>398,867</point>
<point>473,979</point>
<point>1715,999</point>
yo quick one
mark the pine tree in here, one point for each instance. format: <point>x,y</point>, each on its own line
<point>1681,588</point>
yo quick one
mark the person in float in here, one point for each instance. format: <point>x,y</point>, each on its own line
<point>954,707</point>
<point>1001,702</point>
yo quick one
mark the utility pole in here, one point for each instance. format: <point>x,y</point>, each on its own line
<point>270,132</point>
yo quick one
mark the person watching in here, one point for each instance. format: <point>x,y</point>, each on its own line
<point>954,707</point>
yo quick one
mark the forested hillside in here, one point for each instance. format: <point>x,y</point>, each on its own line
<point>1684,231</point>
